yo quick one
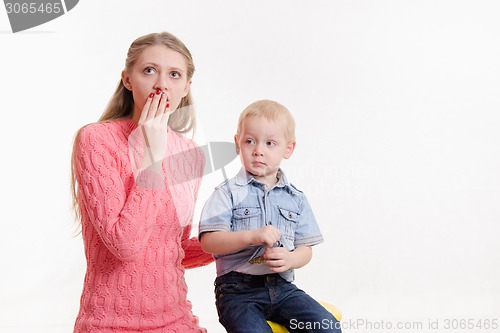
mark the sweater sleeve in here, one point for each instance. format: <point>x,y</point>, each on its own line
<point>194,255</point>
<point>124,221</point>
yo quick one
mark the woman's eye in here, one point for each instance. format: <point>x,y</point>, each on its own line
<point>175,75</point>
<point>149,70</point>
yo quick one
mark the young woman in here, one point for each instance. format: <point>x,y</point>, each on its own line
<point>135,182</point>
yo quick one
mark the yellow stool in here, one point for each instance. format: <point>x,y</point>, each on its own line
<point>277,328</point>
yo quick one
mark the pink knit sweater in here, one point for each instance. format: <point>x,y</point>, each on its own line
<point>137,238</point>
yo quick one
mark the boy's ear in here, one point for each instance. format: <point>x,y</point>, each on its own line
<point>289,149</point>
<point>237,147</point>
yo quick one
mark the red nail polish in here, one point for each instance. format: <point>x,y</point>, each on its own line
<point>168,105</point>
<point>158,91</point>
<point>151,95</point>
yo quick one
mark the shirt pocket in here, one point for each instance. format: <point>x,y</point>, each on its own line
<point>288,220</point>
<point>246,218</point>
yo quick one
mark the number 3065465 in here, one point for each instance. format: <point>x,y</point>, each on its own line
<point>32,8</point>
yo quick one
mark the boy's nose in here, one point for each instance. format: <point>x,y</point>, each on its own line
<point>257,151</point>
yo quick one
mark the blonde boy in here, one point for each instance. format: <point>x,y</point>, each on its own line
<point>259,228</point>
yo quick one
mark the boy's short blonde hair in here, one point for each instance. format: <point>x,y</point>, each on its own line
<point>270,110</point>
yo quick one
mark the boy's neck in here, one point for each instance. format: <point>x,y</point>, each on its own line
<point>270,180</point>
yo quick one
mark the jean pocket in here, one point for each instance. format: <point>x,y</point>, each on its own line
<point>231,288</point>
<point>246,218</point>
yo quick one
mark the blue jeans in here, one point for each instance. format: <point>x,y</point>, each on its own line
<point>245,302</point>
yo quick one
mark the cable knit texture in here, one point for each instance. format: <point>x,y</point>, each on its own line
<point>137,239</point>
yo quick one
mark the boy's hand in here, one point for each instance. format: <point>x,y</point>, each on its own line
<point>279,259</point>
<point>267,235</point>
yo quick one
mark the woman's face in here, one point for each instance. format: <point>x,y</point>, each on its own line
<point>157,68</point>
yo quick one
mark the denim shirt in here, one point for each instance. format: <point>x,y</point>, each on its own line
<point>243,203</point>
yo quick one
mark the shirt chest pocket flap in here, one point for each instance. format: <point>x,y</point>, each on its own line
<point>246,218</point>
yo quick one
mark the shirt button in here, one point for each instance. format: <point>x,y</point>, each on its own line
<point>246,212</point>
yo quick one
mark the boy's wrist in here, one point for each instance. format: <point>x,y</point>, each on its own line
<point>248,237</point>
<point>292,259</point>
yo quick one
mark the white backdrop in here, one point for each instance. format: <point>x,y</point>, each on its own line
<point>397,105</point>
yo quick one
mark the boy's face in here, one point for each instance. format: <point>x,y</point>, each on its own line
<point>262,145</point>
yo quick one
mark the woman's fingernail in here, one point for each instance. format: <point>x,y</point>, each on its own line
<point>168,105</point>
<point>151,95</point>
<point>158,91</point>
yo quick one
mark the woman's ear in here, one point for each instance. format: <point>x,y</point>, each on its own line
<point>126,80</point>
<point>187,88</point>
<point>289,149</point>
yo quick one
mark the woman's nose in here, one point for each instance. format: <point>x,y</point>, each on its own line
<point>161,84</point>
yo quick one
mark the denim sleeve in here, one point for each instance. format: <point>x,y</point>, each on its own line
<point>217,213</point>
<point>307,232</point>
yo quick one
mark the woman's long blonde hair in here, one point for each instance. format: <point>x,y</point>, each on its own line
<point>121,104</point>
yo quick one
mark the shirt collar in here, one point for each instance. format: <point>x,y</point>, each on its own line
<point>244,177</point>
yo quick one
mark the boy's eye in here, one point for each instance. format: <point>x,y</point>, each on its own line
<point>271,143</point>
<point>149,70</point>
<point>250,141</point>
